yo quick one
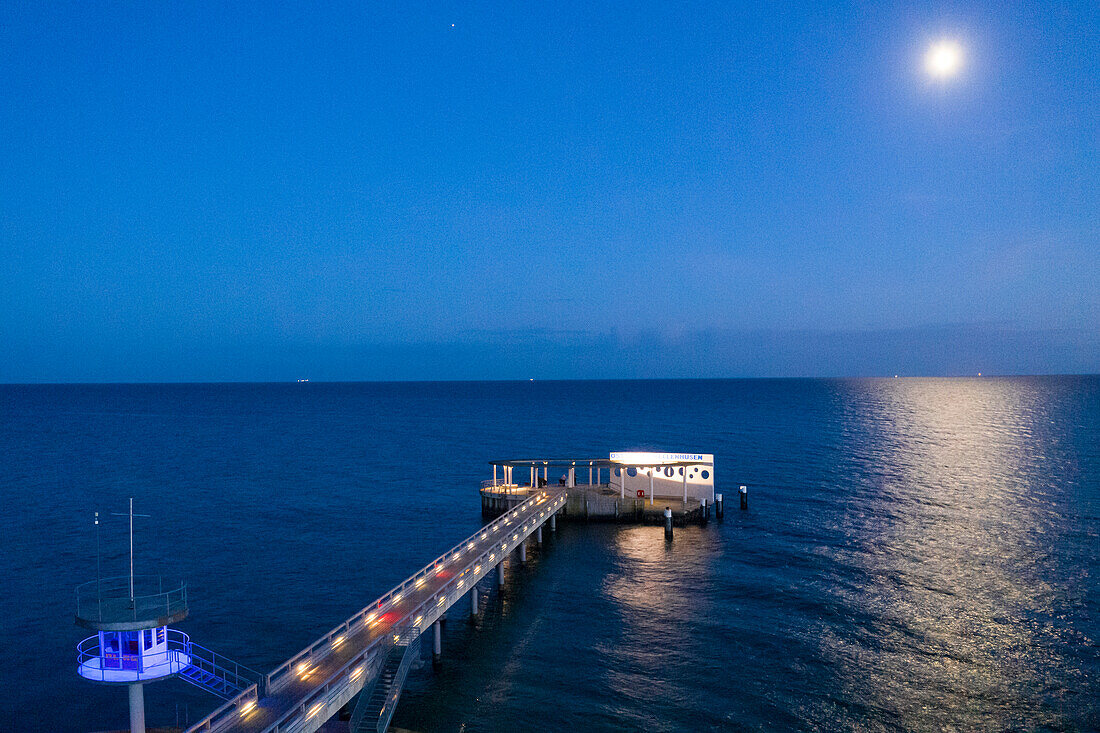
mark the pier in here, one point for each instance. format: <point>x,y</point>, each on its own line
<point>372,651</point>
<point>367,658</point>
<point>639,487</point>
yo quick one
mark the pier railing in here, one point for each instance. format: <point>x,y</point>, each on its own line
<point>239,707</point>
<point>341,685</point>
<point>322,646</point>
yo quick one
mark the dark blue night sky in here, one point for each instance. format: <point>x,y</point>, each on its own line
<point>468,191</point>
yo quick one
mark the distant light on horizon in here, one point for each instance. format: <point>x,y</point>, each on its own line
<point>943,59</point>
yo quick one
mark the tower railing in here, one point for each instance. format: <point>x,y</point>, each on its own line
<point>175,656</point>
<point>107,600</point>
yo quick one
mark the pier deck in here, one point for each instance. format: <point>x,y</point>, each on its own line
<point>311,687</point>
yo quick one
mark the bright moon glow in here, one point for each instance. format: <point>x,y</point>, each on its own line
<point>943,59</point>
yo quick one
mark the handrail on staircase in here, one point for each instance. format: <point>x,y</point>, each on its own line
<point>224,668</point>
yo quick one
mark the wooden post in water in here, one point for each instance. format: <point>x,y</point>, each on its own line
<point>668,523</point>
<point>719,507</point>
<point>744,491</point>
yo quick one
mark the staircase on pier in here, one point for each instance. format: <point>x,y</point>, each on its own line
<point>216,674</point>
<point>378,700</point>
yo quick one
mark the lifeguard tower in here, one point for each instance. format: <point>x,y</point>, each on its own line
<point>133,643</point>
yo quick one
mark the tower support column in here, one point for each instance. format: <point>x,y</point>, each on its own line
<point>137,708</point>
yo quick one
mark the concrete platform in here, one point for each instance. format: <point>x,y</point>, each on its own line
<point>598,503</point>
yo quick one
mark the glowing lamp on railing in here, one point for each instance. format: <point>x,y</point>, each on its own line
<point>396,598</point>
<point>415,623</point>
<point>477,568</point>
<point>492,556</point>
<point>441,601</point>
<point>338,641</point>
<point>316,709</point>
<point>357,672</point>
<point>461,583</point>
<point>248,707</point>
<point>303,670</point>
<point>420,582</point>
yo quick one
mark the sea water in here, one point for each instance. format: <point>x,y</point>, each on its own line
<point>917,553</point>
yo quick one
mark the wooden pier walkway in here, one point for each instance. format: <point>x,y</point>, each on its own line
<point>308,689</point>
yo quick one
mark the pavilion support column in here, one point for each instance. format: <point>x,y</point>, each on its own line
<point>437,646</point>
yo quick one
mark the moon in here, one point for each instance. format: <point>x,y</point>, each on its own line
<point>943,59</point>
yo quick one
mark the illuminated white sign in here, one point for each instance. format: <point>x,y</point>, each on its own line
<point>657,459</point>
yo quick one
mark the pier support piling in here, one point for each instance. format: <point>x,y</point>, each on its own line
<point>523,551</point>
<point>437,646</point>
<point>500,573</point>
<point>473,603</point>
<point>668,523</point>
<point>704,513</point>
<point>538,535</point>
<point>554,522</point>
<point>744,492</point>
<point>137,708</point>
<point>719,508</point>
